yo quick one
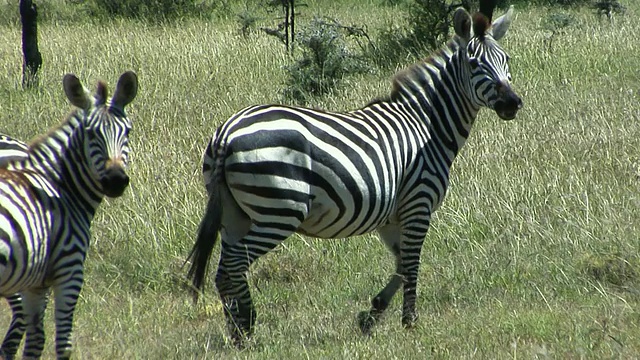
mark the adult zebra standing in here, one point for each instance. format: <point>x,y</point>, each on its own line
<point>274,170</point>
<point>11,150</point>
<point>47,202</point>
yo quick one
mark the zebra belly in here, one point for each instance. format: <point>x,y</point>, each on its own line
<point>322,223</point>
<point>281,186</point>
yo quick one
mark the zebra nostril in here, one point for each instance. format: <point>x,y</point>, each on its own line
<point>114,182</point>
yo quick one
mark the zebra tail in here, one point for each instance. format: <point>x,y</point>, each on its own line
<point>205,242</point>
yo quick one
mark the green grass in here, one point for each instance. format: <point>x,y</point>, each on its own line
<point>535,252</point>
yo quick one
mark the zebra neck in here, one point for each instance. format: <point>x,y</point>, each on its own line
<point>59,158</point>
<point>435,92</point>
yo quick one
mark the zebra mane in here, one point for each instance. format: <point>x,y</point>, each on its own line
<point>416,71</point>
<point>481,24</point>
<point>61,131</point>
<point>378,100</point>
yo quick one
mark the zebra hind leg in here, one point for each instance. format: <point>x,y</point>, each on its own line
<point>367,319</point>
<point>35,303</point>
<point>231,278</point>
<point>16,329</point>
<point>239,312</point>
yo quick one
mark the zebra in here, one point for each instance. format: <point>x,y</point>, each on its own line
<point>274,170</point>
<point>13,149</point>
<point>47,202</point>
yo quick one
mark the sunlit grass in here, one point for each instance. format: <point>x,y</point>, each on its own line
<point>534,252</point>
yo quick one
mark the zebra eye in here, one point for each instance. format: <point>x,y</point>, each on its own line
<point>474,63</point>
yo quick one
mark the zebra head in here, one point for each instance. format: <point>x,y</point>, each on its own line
<point>105,130</point>
<point>485,62</point>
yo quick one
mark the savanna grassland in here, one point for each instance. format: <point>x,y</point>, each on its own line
<point>534,253</point>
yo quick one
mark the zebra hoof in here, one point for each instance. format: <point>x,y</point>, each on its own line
<point>366,322</point>
<point>409,320</point>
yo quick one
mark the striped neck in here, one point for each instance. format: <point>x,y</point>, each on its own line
<point>59,157</point>
<point>437,92</point>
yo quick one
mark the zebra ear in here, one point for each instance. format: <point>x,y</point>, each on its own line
<point>501,25</point>
<point>462,24</point>
<point>126,90</point>
<point>76,93</point>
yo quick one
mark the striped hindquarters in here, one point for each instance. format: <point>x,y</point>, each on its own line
<point>24,221</point>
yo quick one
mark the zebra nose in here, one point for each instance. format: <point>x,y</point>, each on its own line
<point>507,104</point>
<point>115,181</point>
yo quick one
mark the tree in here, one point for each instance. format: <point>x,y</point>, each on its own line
<point>32,57</point>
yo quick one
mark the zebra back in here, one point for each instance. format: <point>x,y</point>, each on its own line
<point>11,149</point>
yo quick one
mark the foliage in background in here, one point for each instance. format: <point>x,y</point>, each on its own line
<point>247,20</point>
<point>325,61</point>
<point>427,28</point>
<point>500,3</point>
<point>153,10</point>
<point>77,11</point>
<point>556,23</point>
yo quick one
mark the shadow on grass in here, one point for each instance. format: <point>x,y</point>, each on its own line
<point>620,270</point>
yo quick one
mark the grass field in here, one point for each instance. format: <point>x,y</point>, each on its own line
<point>535,252</point>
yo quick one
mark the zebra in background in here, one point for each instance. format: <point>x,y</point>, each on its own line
<point>10,150</point>
<point>273,170</point>
<point>47,202</point>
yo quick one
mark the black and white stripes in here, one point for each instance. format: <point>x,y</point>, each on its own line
<point>10,150</point>
<point>48,197</point>
<point>274,170</point>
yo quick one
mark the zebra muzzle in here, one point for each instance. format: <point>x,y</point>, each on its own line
<point>115,181</point>
<point>508,104</point>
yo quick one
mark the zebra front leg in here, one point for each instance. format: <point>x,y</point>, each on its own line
<point>66,297</point>
<point>16,329</point>
<point>410,264</point>
<point>390,234</point>
<point>34,303</point>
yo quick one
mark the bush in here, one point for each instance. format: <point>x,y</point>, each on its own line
<point>506,3</point>
<point>154,10</point>
<point>325,61</point>
<point>428,24</point>
<point>428,28</point>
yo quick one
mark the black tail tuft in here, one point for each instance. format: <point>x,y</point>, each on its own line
<point>205,242</point>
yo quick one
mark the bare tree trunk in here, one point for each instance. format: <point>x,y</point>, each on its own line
<point>292,21</point>
<point>285,5</point>
<point>32,57</point>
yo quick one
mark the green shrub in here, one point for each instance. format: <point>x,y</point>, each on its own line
<point>325,61</point>
<point>154,10</point>
<point>428,27</point>
<point>522,3</point>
